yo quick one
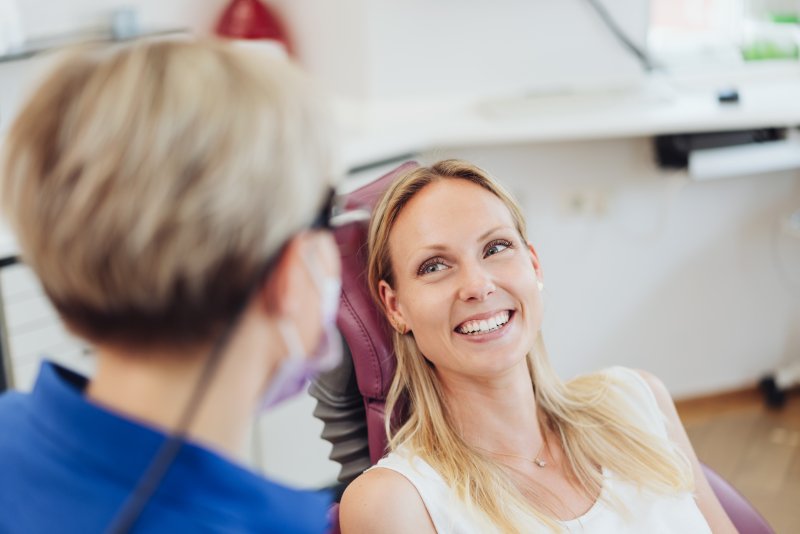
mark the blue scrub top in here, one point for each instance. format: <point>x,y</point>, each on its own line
<point>67,465</point>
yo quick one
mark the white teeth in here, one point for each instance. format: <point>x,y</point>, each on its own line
<point>485,325</point>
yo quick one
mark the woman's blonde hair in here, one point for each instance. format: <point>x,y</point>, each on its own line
<point>149,183</point>
<point>593,416</point>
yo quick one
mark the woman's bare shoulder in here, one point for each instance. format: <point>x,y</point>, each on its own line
<point>383,500</point>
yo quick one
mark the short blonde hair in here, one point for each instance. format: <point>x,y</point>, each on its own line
<point>148,184</point>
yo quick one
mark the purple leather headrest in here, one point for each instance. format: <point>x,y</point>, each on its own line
<point>360,321</point>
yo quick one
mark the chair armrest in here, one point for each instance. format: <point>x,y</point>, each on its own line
<point>744,516</point>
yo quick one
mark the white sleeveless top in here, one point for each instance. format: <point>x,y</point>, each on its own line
<point>650,513</point>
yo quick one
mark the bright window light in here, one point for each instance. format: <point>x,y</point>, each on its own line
<point>689,31</point>
<point>724,32</point>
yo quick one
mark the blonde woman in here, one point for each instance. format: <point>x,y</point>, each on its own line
<point>172,199</point>
<point>494,441</point>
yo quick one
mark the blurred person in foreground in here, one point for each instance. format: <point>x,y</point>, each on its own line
<point>494,440</point>
<point>172,197</point>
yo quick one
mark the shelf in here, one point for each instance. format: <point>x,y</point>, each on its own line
<point>35,47</point>
<point>659,106</point>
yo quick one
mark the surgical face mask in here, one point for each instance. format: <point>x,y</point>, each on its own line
<point>297,369</point>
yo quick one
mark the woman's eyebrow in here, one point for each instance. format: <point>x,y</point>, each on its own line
<point>493,230</point>
<point>440,247</point>
<point>431,248</point>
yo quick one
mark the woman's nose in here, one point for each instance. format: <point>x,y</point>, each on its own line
<point>476,284</point>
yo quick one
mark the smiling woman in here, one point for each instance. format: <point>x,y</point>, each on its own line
<point>443,250</point>
<point>493,440</point>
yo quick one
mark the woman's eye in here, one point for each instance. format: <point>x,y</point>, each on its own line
<point>496,247</point>
<point>432,266</point>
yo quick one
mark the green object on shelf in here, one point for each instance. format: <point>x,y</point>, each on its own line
<point>764,50</point>
<point>785,18</point>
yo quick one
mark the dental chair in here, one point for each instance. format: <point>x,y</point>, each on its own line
<point>351,398</point>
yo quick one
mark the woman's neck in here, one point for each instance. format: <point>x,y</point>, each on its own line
<point>497,414</point>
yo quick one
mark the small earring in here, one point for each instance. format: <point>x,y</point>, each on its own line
<point>540,284</point>
<point>398,327</point>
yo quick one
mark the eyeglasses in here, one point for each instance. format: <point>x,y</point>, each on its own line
<point>325,219</point>
<point>329,217</point>
<point>334,213</point>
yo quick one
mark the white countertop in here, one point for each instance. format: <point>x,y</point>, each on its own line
<point>659,106</point>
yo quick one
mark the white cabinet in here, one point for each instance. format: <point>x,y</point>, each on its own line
<point>31,330</point>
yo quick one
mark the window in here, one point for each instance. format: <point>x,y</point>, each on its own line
<point>690,31</point>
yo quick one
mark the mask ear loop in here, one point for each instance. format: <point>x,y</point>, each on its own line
<point>291,339</point>
<point>294,348</point>
<point>285,367</point>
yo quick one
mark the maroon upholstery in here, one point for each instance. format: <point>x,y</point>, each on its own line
<point>361,323</point>
<point>746,518</point>
<point>367,335</point>
<point>333,519</point>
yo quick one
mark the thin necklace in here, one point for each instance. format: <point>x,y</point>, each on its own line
<point>536,460</point>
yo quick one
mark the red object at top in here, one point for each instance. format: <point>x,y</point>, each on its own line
<point>250,19</point>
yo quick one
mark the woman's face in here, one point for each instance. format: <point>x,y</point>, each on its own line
<point>465,281</point>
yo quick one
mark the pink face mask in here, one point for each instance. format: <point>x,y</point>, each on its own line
<point>297,369</point>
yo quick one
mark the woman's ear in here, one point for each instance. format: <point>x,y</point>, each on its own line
<point>535,261</point>
<point>275,296</point>
<point>289,287</point>
<point>391,306</point>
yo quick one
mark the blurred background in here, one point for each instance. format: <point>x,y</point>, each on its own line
<point>652,144</point>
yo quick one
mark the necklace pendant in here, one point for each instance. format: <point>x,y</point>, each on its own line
<point>540,463</point>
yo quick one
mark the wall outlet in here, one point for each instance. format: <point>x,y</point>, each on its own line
<point>791,224</point>
<point>585,202</point>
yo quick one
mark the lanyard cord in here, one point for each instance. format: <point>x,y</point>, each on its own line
<point>150,480</point>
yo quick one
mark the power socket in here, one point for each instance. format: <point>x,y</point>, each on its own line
<point>585,202</point>
<point>791,224</point>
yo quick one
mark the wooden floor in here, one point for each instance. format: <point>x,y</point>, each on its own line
<point>757,450</point>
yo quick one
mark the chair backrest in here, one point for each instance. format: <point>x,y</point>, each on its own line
<point>360,321</point>
<point>367,335</point>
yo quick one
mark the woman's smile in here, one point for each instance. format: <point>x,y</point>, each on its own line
<point>485,326</point>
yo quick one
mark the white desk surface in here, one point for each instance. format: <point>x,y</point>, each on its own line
<point>769,97</point>
<point>659,106</point>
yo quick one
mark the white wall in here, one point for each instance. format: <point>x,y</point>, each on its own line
<point>694,281</point>
<point>389,50</point>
